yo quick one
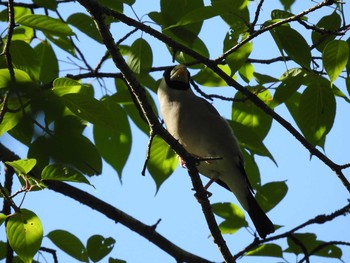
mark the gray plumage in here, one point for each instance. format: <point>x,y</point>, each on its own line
<point>204,133</point>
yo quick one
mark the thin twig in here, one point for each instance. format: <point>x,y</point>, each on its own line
<point>53,252</point>
<point>300,244</point>
<point>269,27</point>
<point>97,12</point>
<point>7,47</point>
<point>148,154</point>
<point>106,55</point>
<point>324,245</point>
<point>320,219</point>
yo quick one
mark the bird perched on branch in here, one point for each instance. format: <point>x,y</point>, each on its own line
<point>204,133</point>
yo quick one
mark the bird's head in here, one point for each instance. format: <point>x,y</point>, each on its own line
<point>177,77</point>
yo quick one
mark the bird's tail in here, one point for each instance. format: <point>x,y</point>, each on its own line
<point>260,220</point>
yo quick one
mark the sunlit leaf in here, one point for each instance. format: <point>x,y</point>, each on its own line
<point>3,217</point>
<point>268,250</point>
<point>246,72</point>
<point>248,114</point>
<point>316,111</point>
<point>59,172</point>
<point>70,244</point>
<point>335,56</point>
<point>293,43</point>
<point>162,161</point>
<point>23,166</point>
<point>140,57</point>
<point>238,58</point>
<point>46,24</point>
<point>62,86</point>
<point>114,144</point>
<point>25,233</point>
<point>233,215</point>
<point>207,77</point>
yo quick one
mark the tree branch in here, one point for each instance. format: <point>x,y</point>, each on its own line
<point>269,27</point>
<point>320,219</point>
<point>145,108</point>
<point>113,213</point>
<point>213,65</point>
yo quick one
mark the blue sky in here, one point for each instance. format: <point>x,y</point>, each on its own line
<point>313,188</point>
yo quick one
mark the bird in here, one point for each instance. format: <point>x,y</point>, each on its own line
<point>203,132</point>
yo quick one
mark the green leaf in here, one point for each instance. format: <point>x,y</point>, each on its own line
<point>22,80</point>
<point>23,166</point>
<point>235,15</point>
<point>291,82</point>
<point>140,57</point>
<point>25,233</point>
<point>248,138</point>
<point>25,58</point>
<point>197,15</point>
<point>3,250</point>
<point>263,79</point>
<point>3,217</point>
<point>249,115</point>
<point>246,72</point>
<point>49,4</point>
<point>62,42</point>
<point>270,194</point>
<point>113,4</point>
<point>251,169</point>
<point>233,215</point>
<point>267,250</point>
<point>70,244</point>
<point>62,86</point>
<point>280,14</point>
<point>22,130</point>
<point>9,121</point>
<point>114,145</point>
<point>209,78</point>
<point>60,172</point>
<point>310,242</point>
<point>316,112</point>
<point>85,24</point>
<point>48,63</point>
<point>335,56</point>
<point>46,24</point>
<point>331,22</point>
<point>72,149</point>
<point>293,43</point>
<point>162,162</point>
<point>238,58</point>
<point>98,247</point>
<point>123,97</point>
<point>89,109</point>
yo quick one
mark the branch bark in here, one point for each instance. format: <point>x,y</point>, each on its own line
<point>114,214</point>
<point>137,91</point>
<point>213,65</point>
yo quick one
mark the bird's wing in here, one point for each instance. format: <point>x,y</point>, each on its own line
<point>210,107</point>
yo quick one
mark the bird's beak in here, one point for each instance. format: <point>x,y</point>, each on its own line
<point>179,73</point>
